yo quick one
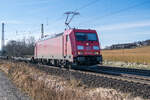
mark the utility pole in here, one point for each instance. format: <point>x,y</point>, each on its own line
<point>42,30</point>
<point>2,41</point>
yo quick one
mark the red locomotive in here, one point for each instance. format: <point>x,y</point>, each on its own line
<point>74,46</point>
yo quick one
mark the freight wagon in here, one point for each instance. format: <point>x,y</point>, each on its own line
<point>74,46</point>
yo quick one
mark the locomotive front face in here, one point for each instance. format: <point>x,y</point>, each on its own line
<point>87,47</point>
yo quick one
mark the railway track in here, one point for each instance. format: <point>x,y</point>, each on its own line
<point>134,81</point>
<point>119,75</point>
<point>136,85</point>
<point>141,72</point>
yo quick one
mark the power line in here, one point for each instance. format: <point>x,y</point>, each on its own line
<point>82,7</point>
<point>119,11</point>
<point>86,5</point>
<point>124,9</point>
<point>73,13</point>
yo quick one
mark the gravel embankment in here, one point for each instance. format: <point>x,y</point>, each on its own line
<point>95,81</point>
<point>8,91</point>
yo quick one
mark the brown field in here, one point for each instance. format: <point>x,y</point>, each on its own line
<point>137,55</point>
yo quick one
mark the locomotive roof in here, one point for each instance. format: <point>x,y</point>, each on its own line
<point>59,34</point>
<point>51,36</point>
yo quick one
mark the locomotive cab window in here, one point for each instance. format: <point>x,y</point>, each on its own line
<point>86,37</point>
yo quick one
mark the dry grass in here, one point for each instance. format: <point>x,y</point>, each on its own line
<point>41,86</point>
<point>137,55</point>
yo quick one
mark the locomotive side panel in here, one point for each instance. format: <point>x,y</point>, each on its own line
<point>50,48</point>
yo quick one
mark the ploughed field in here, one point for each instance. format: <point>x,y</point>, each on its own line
<point>137,55</point>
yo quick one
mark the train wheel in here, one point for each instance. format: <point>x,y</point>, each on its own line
<point>69,65</point>
<point>33,60</point>
<point>62,64</point>
<point>49,62</point>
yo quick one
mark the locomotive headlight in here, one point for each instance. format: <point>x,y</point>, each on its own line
<point>79,47</point>
<point>96,53</point>
<point>96,47</point>
<point>80,53</point>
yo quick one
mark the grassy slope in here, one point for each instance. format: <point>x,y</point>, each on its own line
<point>137,55</point>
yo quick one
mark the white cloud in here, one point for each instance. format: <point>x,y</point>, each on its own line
<point>123,26</point>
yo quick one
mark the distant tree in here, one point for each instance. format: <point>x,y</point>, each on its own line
<point>20,47</point>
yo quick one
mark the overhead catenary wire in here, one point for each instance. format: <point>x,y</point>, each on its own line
<point>124,9</point>
<point>77,9</point>
<point>86,5</point>
<point>117,12</point>
<point>80,8</point>
<point>73,13</point>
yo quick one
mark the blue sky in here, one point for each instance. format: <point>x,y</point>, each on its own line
<point>116,21</point>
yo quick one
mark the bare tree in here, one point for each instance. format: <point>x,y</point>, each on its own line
<point>22,47</point>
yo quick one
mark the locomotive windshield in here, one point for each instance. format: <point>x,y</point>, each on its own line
<point>86,37</point>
